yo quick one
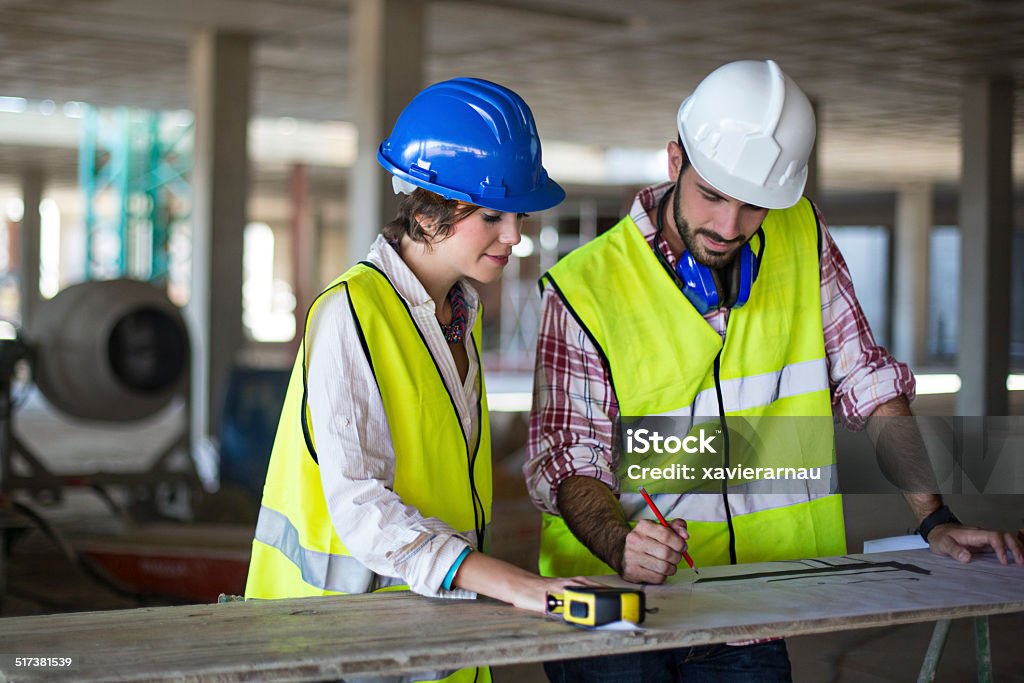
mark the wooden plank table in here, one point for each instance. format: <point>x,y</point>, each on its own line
<point>401,633</point>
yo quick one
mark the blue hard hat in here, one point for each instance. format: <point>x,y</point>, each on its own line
<point>471,140</point>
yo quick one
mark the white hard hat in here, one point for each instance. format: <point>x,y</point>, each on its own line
<point>748,130</point>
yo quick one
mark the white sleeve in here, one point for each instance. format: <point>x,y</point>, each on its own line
<point>357,466</point>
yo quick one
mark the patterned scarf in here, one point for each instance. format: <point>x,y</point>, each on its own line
<point>455,331</point>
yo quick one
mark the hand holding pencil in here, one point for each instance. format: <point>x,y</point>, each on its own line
<point>652,550</point>
<point>661,518</point>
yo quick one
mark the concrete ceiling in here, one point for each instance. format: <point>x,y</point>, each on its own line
<point>886,74</point>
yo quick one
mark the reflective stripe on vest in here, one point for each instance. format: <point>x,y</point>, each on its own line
<point>331,572</point>
<point>664,359</point>
<point>296,551</point>
<point>744,499</point>
<point>745,393</point>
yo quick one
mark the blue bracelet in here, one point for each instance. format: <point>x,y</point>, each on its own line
<point>450,576</point>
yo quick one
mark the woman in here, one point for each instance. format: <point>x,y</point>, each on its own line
<point>380,477</point>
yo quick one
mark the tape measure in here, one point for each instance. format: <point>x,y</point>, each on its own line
<point>586,606</point>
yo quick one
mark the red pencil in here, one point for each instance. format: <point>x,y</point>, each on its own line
<point>661,518</point>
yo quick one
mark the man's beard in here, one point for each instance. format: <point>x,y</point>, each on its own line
<point>686,232</point>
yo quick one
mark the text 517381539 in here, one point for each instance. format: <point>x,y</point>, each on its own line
<point>64,662</point>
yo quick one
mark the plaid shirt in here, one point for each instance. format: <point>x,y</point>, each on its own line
<point>574,407</point>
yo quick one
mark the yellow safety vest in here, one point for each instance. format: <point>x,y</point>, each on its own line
<point>296,551</point>
<point>665,359</point>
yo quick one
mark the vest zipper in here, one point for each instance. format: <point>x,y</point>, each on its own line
<point>725,458</point>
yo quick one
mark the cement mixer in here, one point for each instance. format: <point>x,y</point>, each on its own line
<point>110,355</point>
<point>112,351</point>
<point>109,350</point>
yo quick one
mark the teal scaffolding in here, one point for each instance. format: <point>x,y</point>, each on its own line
<point>133,167</point>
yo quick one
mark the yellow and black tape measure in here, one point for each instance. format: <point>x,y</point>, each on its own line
<point>586,606</point>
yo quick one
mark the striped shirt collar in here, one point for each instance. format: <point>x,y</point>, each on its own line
<point>408,286</point>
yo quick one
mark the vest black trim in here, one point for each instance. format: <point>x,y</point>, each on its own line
<point>818,234</point>
<point>305,388</point>
<point>579,321</point>
<point>470,456</point>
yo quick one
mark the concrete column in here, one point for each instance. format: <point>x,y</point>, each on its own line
<point>305,276</point>
<point>910,300</point>
<point>986,224</point>
<point>386,71</point>
<point>31,228</point>
<point>813,187</point>
<point>221,94</point>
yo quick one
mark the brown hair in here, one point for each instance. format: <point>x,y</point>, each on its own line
<point>437,214</point>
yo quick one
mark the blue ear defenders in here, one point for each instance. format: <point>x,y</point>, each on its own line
<point>700,284</point>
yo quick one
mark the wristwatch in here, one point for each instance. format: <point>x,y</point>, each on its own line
<point>941,516</point>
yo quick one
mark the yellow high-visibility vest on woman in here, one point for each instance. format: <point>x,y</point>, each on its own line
<point>296,551</point>
<point>665,359</point>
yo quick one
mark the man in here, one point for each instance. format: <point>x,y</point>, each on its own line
<point>635,323</point>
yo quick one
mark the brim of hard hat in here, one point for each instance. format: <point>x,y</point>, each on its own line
<point>544,197</point>
<point>757,195</point>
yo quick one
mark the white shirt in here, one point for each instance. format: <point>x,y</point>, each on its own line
<point>350,428</point>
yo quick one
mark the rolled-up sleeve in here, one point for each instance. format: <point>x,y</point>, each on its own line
<point>862,373</point>
<point>357,466</point>
<point>574,408</point>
